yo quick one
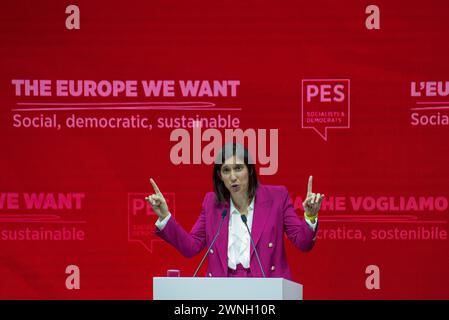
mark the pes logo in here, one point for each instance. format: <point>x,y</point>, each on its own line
<point>325,104</point>
<point>141,218</point>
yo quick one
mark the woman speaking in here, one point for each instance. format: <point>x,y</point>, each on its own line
<point>254,216</point>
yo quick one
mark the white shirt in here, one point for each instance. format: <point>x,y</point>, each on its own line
<point>239,243</point>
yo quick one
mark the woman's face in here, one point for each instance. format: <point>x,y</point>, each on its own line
<point>234,174</point>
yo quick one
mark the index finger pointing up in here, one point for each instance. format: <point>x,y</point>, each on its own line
<point>309,185</point>
<point>156,189</point>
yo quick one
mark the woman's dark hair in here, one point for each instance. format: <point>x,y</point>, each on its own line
<point>227,151</point>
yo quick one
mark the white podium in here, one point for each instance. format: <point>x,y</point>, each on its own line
<point>186,288</point>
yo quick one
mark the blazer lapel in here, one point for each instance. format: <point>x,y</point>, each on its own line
<point>262,210</point>
<point>221,243</point>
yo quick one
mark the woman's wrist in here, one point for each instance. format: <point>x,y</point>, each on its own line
<point>162,217</point>
<point>310,216</point>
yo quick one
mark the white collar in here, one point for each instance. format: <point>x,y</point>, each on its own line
<point>233,209</point>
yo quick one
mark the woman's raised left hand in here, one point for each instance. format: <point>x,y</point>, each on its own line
<point>312,203</point>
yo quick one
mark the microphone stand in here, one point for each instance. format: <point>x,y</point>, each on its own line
<point>244,219</point>
<point>223,215</point>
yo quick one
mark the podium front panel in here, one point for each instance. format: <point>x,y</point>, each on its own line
<point>186,288</point>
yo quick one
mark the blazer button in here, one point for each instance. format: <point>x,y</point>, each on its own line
<point>273,268</point>
<point>270,245</point>
<point>212,251</point>
<point>210,274</point>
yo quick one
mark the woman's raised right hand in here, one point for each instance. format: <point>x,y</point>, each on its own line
<point>157,201</point>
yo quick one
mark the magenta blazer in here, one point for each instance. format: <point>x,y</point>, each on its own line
<point>273,215</point>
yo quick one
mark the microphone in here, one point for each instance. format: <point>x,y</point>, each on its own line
<point>223,215</point>
<point>244,219</point>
